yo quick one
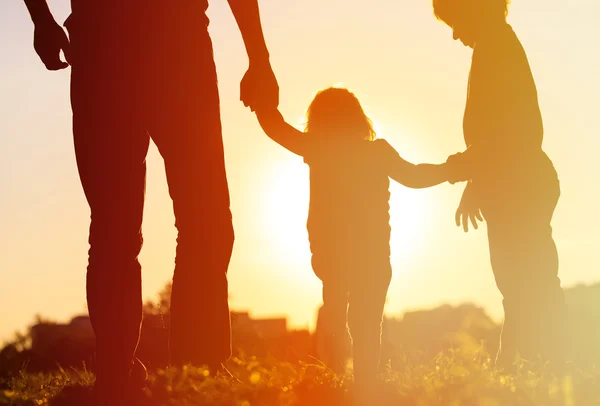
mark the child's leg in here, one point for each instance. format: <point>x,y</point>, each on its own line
<point>334,322</point>
<point>332,333</point>
<point>365,314</point>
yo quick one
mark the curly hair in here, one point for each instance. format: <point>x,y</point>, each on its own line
<point>447,10</point>
<point>337,111</point>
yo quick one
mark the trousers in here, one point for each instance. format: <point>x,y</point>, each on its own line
<point>131,83</point>
<point>525,263</point>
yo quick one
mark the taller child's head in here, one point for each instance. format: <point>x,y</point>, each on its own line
<point>337,112</point>
<point>469,19</point>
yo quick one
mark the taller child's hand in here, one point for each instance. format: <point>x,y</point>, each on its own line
<point>456,168</point>
<point>468,209</point>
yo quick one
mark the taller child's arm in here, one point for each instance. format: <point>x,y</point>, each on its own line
<point>503,112</point>
<point>415,176</point>
<point>274,125</point>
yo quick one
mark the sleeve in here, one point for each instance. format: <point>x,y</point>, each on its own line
<point>502,98</point>
<point>386,153</point>
<point>489,90</point>
<point>309,149</point>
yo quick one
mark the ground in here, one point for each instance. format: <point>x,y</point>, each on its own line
<point>451,378</point>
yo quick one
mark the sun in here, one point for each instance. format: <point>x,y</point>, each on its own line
<point>408,208</point>
<point>285,209</point>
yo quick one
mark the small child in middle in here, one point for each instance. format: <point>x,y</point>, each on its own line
<point>348,220</point>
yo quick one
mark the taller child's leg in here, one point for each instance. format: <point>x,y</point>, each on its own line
<point>525,264</point>
<point>186,128</point>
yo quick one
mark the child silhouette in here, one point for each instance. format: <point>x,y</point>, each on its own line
<point>348,220</point>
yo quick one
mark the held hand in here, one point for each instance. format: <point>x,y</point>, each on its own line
<point>48,40</point>
<point>259,88</point>
<point>455,168</point>
<point>468,209</point>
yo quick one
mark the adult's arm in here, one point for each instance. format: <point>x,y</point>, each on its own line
<point>39,12</point>
<point>259,88</point>
<point>48,38</point>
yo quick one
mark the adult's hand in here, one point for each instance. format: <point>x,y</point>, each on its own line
<point>468,209</point>
<point>259,88</point>
<point>48,40</point>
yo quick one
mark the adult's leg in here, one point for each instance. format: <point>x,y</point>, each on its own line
<point>110,147</point>
<point>186,127</point>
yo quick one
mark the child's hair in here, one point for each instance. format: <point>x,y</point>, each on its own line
<point>447,10</point>
<point>337,111</point>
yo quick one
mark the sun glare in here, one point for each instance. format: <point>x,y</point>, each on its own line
<point>408,222</point>
<point>285,209</point>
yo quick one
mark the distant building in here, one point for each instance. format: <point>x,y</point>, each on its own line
<point>74,341</point>
<point>243,324</point>
<point>45,337</point>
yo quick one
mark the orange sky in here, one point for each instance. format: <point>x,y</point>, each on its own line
<point>411,77</point>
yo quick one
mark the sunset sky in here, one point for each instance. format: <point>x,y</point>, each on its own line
<point>411,77</point>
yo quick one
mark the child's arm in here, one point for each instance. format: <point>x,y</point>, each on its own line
<point>278,130</point>
<point>414,176</point>
<point>417,176</point>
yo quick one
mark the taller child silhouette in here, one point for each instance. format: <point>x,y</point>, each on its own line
<point>141,70</point>
<point>513,183</point>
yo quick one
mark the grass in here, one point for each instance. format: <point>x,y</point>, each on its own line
<point>452,378</point>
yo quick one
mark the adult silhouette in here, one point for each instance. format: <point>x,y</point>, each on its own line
<point>141,70</point>
<point>512,182</point>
